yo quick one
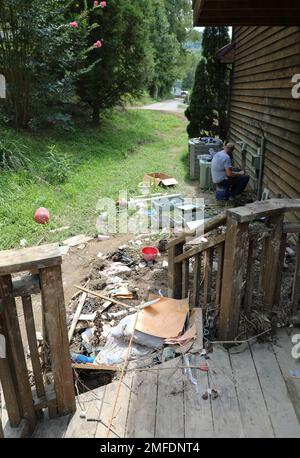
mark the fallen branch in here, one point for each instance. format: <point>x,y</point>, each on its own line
<point>101,296</point>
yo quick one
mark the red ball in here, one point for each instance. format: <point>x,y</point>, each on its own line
<point>42,215</point>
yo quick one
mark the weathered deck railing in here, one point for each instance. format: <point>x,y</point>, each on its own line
<point>236,253</point>
<point>24,404</point>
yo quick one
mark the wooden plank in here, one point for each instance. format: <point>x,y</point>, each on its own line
<point>270,279</point>
<point>208,266</point>
<point>33,347</point>
<point>91,404</point>
<point>225,409</point>
<point>281,261</point>
<point>118,429</point>
<point>15,344</point>
<point>9,389</point>
<point>96,367</point>
<point>175,272</point>
<point>207,226</point>
<point>236,246</point>
<point>185,278</point>
<point>13,261</point>
<point>56,329</point>
<point>204,246</point>
<point>250,271</point>
<point>170,408</point>
<point>198,412</point>
<point>198,320</point>
<point>77,315</point>
<point>278,402</point>
<point>26,286</point>
<point>1,430</point>
<point>265,208</point>
<point>296,284</point>
<point>220,257</point>
<point>283,351</point>
<point>254,415</point>
<point>142,408</point>
<point>195,301</point>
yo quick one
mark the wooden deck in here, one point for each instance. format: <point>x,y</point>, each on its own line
<point>259,398</point>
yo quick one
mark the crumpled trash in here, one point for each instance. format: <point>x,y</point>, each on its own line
<point>116,347</point>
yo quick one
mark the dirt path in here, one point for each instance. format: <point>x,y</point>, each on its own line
<point>171,106</point>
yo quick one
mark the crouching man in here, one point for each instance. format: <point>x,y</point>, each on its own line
<point>225,176</point>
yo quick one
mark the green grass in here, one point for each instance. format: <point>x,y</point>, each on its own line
<point>104,161</point>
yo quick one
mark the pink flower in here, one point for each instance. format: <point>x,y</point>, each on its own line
<point>98,44</point>
<point>74,24</point>
<point>103,4</point>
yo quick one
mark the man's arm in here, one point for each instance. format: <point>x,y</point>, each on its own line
<point>230,173</point>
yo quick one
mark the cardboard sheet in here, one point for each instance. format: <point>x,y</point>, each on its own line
<point>164,319</point>
<point>160,179</point>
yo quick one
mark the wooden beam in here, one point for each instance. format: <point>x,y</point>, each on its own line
<point>16,352</point>
<point>77,315</point>
<point>14,261</point>
<point>196,281</point>
<point>185,278</point>
<point>296,285</point>
<point>219,279</point>
<point>208,266</point>
<point>33,347</point>
<point>175,272</point>
<point>56,328</point>
<point>214,241</point>
<point>291,228</point>
<point>236,248</point>
<point>266,208</point>
<point>271,262</point>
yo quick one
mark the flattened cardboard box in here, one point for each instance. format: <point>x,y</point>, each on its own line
<point>160,179</point>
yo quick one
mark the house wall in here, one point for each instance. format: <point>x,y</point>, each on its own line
<point>261,98</point>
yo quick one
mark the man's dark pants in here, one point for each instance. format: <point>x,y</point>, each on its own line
<point>235,185</point>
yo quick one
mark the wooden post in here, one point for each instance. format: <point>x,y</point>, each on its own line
<point>250,276</point>
<point>208,264</point>
<point>236,246</point>
<point>196,281</point>
<point>280,268</point>
<point>175,272</point>
<point>296,286</point>
<point>220,257</point>
<point>32,342</point>
<point>270,267</point>
<point>56,327</point>
<point>18,362</point>
<point>185,278</point>
<point>1,430</point>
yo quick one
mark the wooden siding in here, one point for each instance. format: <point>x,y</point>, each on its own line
<point>261,99</point>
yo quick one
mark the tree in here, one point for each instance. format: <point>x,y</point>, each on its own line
<point>121,61</point>
<point>39,53</point>
<point>166,51</point>
<point>200,118</point>
<point>215,38</point>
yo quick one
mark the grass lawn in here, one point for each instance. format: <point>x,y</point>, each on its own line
<point>103,162</point>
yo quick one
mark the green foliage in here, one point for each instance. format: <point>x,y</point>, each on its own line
<point>58,166</point>
<point>207,112</point>
<point>200,118</point>
<point>13,155</point>
<point>39,55</point>
<point>123,65</point>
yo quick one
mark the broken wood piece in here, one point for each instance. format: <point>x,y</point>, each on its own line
<point>96,367</point>
<point>108,299</point>
<point>77,240</point>
<point>88,317</point>
<point>77,315</point>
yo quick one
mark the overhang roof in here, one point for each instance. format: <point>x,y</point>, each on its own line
<point>246,12</point>
<point>226,55</point>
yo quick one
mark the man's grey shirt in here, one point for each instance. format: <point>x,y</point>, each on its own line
<point>220,162</point>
